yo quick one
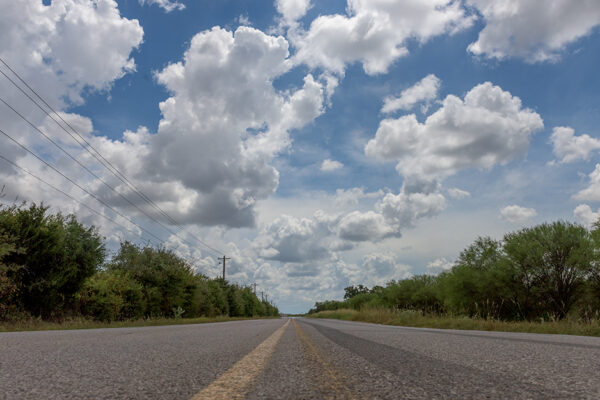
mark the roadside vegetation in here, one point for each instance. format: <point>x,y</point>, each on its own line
<point>544,278</point>
<point>55,270</point>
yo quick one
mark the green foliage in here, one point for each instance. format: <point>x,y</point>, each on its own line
<point>352,291</point>
<point>167,280</point>
<point>545,272</point>
<point>9,287</point>
<point>50,267</point>
<point>112,295</point>
<point>57,255</point>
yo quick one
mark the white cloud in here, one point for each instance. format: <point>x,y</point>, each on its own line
<point>221,127</point>
<point>592,192</point>
<point>167,5</point>
<point>67,46</point>
<point>532,30</point>
<point>404,209</point>
<point>569,148</point>
<point>62,50</point>
<point>351,197</point>
<point>243,20</point>
<point>426,90</point>
<point>585,215</point>
<point>331,165</point>
<point>378,269</point>
<point>374,32</point>
<point>439,265</point>
<point>295,240</point>
<point>458,194</point>
<point>360,227</point>
<point>292,10</point>
<point>488,127</point>
<point>517,214</point>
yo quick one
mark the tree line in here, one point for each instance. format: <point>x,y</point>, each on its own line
<point>53,267</point>
<point>549,271</point>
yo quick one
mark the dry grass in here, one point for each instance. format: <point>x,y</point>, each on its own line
<point>387,316</point>
<point>83,323</point>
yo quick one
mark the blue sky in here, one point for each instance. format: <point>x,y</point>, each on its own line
<point>260,126</point>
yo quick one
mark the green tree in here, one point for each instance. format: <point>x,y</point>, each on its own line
<point>58,254</point>
<point>552,261</point>
<point>9,287</point>
<point>112,295</point>
<point>168,281</point>
<point>352,291</point>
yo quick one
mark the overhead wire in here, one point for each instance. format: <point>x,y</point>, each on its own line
<point>47,137</point>
<point>93,210</point>
<point>96,154</point>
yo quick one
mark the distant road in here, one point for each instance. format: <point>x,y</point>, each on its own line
<point>296,359</point>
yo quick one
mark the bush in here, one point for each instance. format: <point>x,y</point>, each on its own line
<point>112,295</point>
<point>57,255</point>
<point>167,280</point>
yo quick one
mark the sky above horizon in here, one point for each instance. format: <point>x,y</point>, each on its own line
<point>319,144</point>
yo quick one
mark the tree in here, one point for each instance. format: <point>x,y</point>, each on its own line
<point>168,281</point>
<point>9,287</point>
<point>352,291</point>
<point>58,255</point>
<point>552,261</point>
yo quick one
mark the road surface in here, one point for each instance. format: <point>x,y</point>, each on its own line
<point>296,359</point>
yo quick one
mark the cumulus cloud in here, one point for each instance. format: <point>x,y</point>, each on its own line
<point>67,46</point>
<point>569,148</point>
<point>167,5</point>
<point>458,194</point>
<point>294,240</point>
<point>586,215</point>
<point>592,192</point>
<point>488,127</point>
<point>531,30</point>
<point>375,32</point>
<point>368,226</point>
<point>331,165</point>
<point>351,197</point>
<point>292,10</point>
<point>378,269</point>
<point>439,265</point>
<point>426,90</point>
<point>61,49</point>
<point>221,127</point>
<point>517,214</point>
<point>404,209</point>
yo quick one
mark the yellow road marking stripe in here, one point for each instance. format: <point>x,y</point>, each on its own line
<point>235,382</point>
<point>333,378</point>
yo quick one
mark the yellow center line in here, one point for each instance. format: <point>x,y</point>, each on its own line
<point>332,379</point>
<point>236,381</point>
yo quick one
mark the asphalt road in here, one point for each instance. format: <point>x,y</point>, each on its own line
<point>296,359</point>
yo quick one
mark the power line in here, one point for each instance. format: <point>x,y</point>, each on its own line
<point>75,183</point>
<point>162,242</point>
<point>87,170</point>
<point>70,197</point>
<point>99,156</point>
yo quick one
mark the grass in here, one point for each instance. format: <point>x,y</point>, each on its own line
<point>411,318</point>
<point>84,323</point>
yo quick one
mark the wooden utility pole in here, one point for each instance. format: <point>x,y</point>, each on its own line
<point>262,297</point>
<point>224,259</point>
<point>254,288</point>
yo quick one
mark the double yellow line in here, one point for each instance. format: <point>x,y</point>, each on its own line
<point>234,383</point>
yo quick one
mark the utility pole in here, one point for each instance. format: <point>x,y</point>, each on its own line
<point>267,298</point>
<point>254,288</point>
<point>262,296</point>
<point>224,259</point>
